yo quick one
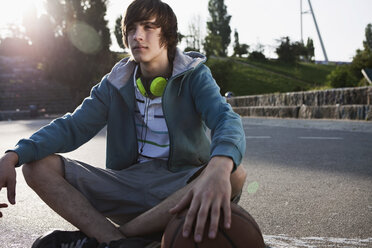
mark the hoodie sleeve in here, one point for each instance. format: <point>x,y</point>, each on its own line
<point>227,133</point>
<point>70,131</point>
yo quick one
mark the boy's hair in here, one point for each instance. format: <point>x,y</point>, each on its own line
<point>140,10</point>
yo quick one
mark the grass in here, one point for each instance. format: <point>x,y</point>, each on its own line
<point>258,81</point>
<point>246,77</point>
<point>250,78</point>
<point>312,73</point>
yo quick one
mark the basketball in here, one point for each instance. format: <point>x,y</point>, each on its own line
<point>243,233</point>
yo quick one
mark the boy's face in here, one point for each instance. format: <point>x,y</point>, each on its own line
<point>144,42</point>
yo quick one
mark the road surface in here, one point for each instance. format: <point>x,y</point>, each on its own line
<point>309,183</point>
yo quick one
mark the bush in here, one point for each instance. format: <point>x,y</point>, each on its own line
<point>342,77</point>
<point>361,60</point>
<point>222,71</point>
<point>292,52</point>
<point>191,49</point>
<point>257,56</point>
<point>286,51</point>
<point>363,82</point>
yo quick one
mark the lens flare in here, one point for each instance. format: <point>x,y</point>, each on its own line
<point>252,187</point>
<point>84,37</point>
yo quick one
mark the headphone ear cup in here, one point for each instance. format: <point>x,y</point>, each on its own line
<point>141,87</point>
<point>157,86</point>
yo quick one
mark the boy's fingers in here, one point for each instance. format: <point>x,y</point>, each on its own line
<point>201,220</point>
<point>184,202</point>
<point>215,217</point>
<point>2,205</point>
<point>227,214</point>
<point>190,218</point>
<point>11,188</point>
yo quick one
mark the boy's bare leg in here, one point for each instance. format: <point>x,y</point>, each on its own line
<point>156,219</point>
<point>46,178</point>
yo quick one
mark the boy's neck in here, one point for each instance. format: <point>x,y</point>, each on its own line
<point>152,70</point>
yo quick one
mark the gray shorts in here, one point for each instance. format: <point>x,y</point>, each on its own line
<point>127,192</point>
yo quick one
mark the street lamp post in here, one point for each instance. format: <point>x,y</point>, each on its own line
<point>317,29</point>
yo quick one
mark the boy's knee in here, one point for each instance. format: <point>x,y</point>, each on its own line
<point>36,170</point>
<point>237,180</point>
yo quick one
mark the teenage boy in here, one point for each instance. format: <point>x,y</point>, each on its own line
<point>156,105</point>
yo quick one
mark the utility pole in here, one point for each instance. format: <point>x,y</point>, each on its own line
<point>301,13</point>
<point>302,37</point>
<point>317,29</point>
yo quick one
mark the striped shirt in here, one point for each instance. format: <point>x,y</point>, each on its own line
<point>152,131</point>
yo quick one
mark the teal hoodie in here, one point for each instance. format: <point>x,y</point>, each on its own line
<point>191,102</point>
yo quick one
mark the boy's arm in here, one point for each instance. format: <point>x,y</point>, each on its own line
<point>70,131</point>
<point>212,190</point>
<point>227,133</point>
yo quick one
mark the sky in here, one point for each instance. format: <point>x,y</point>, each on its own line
<point>341,22</point>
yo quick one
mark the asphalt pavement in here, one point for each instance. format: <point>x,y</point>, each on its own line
<point>309,183</point>
<point>313,181</point>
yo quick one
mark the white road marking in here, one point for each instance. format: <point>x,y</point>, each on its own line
<point>322,138</point>
<point>283,241</point>
<point>258,137</point>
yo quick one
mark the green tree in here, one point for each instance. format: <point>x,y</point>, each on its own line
<point>258,53</point>
<point>300,51</point>
<point>218,26</point>
<point>368,33</point>
<point>180,37</point>
<point>243,49</point>
<point>351,75</point>
<point>341,77</point>
<point>72,42</point>
<point>236,43</point>
<point>239,49</point>
<point>256,56</point>
<point>212,45</point>
<point>286,51</point>
<point>222,71</point>
<point>118,32</point>
<point>310,49</point>
<point>292,52</point>
<point>363,58</point>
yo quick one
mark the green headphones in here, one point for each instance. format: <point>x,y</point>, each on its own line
<point>157,86</point>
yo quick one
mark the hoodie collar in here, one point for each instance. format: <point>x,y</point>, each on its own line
<point>121,73</point>
<point>185,61</point>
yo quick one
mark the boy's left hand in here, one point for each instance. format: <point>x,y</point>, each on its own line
<point>210,193</point>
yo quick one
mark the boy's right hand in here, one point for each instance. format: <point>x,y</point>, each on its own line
<point>8,176</point>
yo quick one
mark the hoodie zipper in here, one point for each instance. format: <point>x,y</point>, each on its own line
<point>165,115</point>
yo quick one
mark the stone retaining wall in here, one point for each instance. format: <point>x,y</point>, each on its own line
<point>23,88</point>
<point>343,103</point>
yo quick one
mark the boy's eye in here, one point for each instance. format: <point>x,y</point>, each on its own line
<point>149,26</point>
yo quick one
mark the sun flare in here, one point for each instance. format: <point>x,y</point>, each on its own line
<point>12,11</point>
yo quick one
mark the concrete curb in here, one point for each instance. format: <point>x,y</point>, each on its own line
<point>345,103</point>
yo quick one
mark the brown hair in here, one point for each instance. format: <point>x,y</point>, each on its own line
<point>140,10</point>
